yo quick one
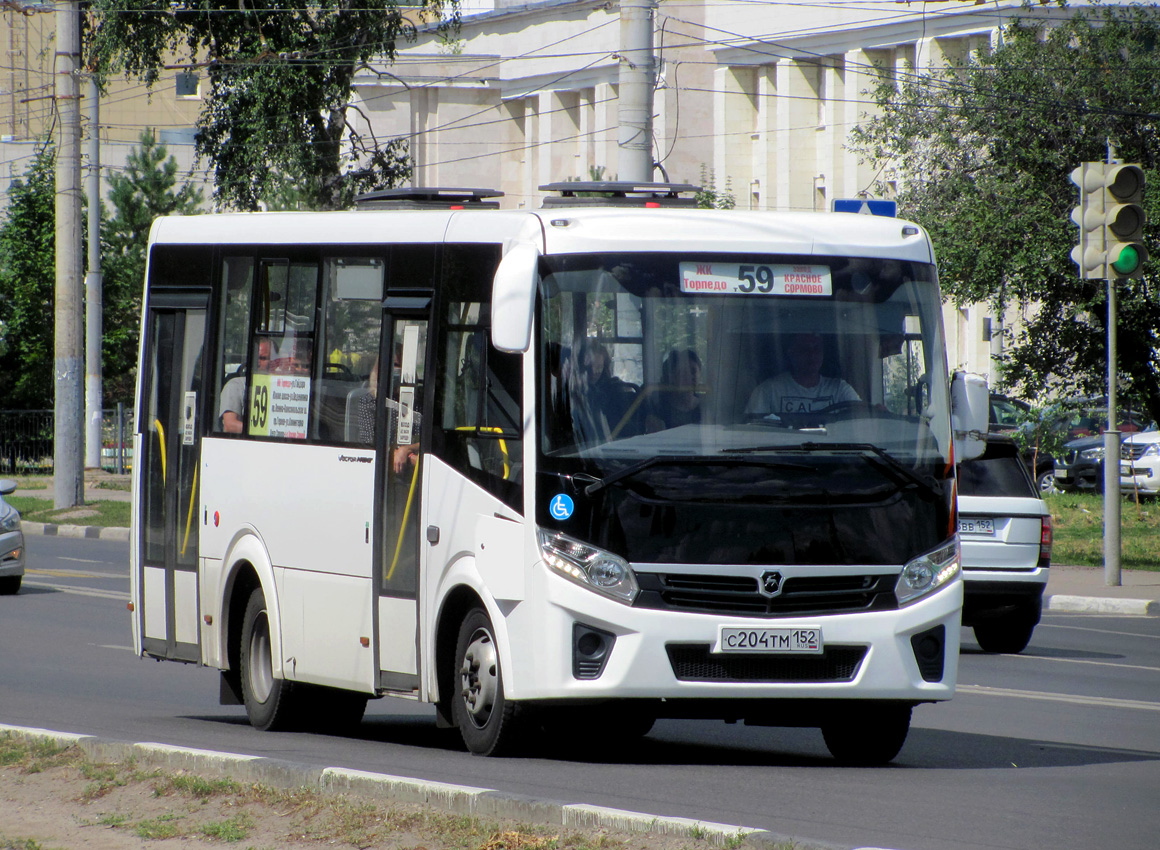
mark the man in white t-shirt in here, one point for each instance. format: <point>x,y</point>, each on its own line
<point>803,389</point>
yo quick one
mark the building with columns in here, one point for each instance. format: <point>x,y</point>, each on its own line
<point>760,97</point>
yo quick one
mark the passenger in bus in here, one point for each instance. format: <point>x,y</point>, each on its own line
<point>607,400</point>
<point>232,402</point>
<point>803,388</point>
<point>402,457</point>
<point>677,401</point>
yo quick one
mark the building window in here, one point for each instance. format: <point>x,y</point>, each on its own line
<point>188,85</point>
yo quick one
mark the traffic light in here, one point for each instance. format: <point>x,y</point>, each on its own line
<point>1111,220</point>
<point>1125,220</point>
<point>1089,215</point>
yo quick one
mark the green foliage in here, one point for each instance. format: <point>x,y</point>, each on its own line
<point>710,197</point>
<point>27,285</point>
<point>145,190</point>
<point>987,146</point>
<point>280,86</point>
<point>1043,430</point>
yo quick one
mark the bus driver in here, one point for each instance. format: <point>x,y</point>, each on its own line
<point>802,389</point>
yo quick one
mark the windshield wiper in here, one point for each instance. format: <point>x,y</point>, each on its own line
<point>879,458</point>
<point>680,460</point>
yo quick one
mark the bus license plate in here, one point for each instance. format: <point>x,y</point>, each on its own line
<point>977,526</point>
<point>806,640</point>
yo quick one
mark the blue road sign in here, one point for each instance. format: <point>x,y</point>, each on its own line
<point>865,206</point>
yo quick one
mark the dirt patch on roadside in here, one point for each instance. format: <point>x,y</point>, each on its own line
<point>54,799</point>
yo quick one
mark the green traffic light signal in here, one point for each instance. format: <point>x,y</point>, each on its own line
<point>1128,261</point>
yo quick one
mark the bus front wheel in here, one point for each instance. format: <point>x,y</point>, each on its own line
<point>865,737</point>
<point>485,718</point>
<point>269,701</point>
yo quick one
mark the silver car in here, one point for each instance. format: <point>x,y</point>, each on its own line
<point>1005,533</point>
<point>11,542</point>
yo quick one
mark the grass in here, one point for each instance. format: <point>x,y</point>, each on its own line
<point>1079,531</point>
<point>107,514</point>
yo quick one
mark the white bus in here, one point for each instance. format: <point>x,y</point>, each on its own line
<point>619,462</point>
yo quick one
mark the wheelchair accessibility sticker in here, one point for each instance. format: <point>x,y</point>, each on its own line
<point>561,506</point>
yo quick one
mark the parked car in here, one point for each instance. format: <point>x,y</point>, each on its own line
<point>1080,469</point>
<point>11,542</point>
<point>1005,534</point>
<point>1140,464</point>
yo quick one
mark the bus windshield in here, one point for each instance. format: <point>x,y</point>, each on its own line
<point>650,355</point>
<point>743,380</point>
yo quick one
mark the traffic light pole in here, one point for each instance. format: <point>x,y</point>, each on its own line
<point>1112,456</point>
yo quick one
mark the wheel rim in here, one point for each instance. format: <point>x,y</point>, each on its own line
<point>478,677</point>
<point>1047,483</point>
<point>261,665</point>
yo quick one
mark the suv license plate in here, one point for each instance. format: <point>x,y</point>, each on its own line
<point>806,640</point>
<point>977,526</point>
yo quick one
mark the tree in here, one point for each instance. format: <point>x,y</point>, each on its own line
<point>27,283</point>
<point>986,146</point>
<point>145,190</point>
<point>280,73</point>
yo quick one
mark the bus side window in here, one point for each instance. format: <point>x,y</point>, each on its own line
<point>352,323</point>
<point>233,344</point>
<point>478,408</point>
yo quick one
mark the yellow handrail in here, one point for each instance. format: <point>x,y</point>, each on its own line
<point>492,429</point>
<point>161,437</point>
<point>189,516</point>
<point>403,523</point>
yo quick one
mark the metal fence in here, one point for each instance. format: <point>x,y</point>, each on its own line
<point>26,440</point>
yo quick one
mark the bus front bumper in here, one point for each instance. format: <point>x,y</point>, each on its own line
<point>590,647</point>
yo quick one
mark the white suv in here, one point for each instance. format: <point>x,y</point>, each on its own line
<point>1005,533</point>
<point>1140,464</point>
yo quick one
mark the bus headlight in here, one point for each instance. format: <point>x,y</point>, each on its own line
<point>589,566</point>
<point>927,573</point>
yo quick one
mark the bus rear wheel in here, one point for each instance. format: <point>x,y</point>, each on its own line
<point>486,720</point>
<point>870,736</point>
<point>269,701</point>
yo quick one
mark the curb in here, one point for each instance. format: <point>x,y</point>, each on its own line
<point>454,799</point>
<point>88,532</point>
<point>1101,605</point>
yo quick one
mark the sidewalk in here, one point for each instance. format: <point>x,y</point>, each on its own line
<point>1081,590</point>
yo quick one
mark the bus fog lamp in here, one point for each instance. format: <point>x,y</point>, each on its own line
<point>589,566</point>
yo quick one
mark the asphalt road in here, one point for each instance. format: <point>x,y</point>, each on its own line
<point>1058,747</point>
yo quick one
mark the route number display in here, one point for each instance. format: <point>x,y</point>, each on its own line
<point>755,279</point>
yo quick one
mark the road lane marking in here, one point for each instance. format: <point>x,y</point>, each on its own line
<point>1073,699</point>
<point>79,560</point>
<point>73,574</point>
<point>1034,657</point>
<point>82,591</point>
<point>1100,631</point>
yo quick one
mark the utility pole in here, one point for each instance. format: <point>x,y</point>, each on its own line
<point>93,288</point>
<point>637,77</point>
<point>68,472</point>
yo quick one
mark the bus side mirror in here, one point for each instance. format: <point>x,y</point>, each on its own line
<point>513,298</point>
<point>970,415</point>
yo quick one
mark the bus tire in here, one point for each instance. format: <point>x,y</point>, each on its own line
<point>269,701</point>
<point>486,720</point>
<point>866,737</point>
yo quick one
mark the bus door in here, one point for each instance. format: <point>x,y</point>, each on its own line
<point>170,439</point>
<point>398,490</point>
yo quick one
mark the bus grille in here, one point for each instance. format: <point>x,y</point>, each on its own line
<point>739,596</point>
<point>695,663</point>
